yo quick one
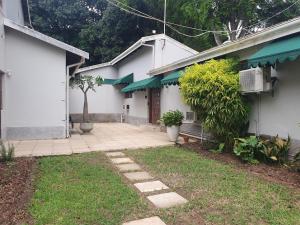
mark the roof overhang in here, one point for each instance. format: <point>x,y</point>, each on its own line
<point>45,38</point>
<point>269,34</point>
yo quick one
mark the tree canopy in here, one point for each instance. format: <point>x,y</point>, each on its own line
<point>105,31</point>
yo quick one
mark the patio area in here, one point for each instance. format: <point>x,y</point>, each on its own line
<point>104,137</point>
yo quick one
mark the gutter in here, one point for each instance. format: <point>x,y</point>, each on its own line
<point>76,65</point>
<point>272,33</point>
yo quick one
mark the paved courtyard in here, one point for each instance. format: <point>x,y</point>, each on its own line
<point>104,137</point>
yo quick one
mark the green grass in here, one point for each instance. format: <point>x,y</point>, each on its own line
<point>219,193</point>
<point>82,189</point>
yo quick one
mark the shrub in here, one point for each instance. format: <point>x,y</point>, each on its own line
<point>212,90</point>
<point>295,165</point>
<point>253,148</point>
<point>246,148</point>
<point>7,153</point>
<point>172,118</point>
<point>275,150</point>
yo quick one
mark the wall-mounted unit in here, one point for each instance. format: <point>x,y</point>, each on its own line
<point>255,80</point>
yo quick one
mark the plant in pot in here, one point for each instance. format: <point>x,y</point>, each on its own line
<point>172,120</point>
<point>86,83</point>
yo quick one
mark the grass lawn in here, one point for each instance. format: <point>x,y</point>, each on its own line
<point>218,192</point>
<point>83,189</point>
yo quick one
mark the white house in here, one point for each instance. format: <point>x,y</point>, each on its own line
<point>129,93</point>
<point>278,110</point>
<point>35,72</point>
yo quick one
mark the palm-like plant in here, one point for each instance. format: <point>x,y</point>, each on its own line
<point>86,83</point>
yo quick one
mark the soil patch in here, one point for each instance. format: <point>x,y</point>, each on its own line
<point>278,174</point>
<point>16,189</point>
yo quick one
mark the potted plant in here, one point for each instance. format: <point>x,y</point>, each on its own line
<point>172,120</point>
<point>86,83</point>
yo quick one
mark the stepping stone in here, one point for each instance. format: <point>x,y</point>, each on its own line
<point>128,167</point>
<point>121,160</point>
<point>148,221</point>
<point>138,176</point>
<point>167,200</point>
<point>151,186</point>
<point>114,154</point>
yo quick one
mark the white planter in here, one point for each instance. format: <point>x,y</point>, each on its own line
<point>173,133</point>
<point>86,127</point>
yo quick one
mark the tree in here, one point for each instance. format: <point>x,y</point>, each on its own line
<point>85,83</point>
<point>234,16</point>
<point>212,90</point>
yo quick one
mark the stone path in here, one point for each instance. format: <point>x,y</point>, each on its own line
<point>147,185</point>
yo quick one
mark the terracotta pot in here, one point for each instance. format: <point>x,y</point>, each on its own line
<point>86,127</point>
<point>173,133</point>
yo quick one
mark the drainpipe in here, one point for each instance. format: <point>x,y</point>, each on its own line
<point>153,53</point>
<point>76,65</point>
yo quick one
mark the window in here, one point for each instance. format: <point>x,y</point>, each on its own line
<point>128,95</point>
<point>190,116</point>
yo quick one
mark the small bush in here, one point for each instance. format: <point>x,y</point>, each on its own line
<point>172,118</point>
<point>253,149</point>
<point>7,153</point>
<point>295,165</point>
<point>246,148</point>
<point>275,150</point>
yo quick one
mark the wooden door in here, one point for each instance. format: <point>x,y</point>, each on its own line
<point>154,105</point>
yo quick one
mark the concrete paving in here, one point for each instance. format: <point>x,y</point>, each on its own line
<point>167,200</point>
<point>138,176</point>
<point>148,221</point>
<point>128,167</point>
<point>114,154</point>
<point>121,160</point>
<point>104,137</point>
<point>151,186</point>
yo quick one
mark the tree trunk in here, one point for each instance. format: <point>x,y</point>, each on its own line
<point>85,109</point>
<point>217,39</point>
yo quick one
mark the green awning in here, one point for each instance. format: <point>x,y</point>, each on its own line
<point>172,78</point>
<point>278,51</point>
<point>109,81</point>
<point>124,80</point>
<point>153,82</point>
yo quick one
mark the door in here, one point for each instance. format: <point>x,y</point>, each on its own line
<point>154,105</point>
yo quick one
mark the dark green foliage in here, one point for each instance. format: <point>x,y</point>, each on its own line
<point>172,118</point>
<point>253,149</point>
<point>105,31</point>
<point>7,152</point>
<point>246,148</point>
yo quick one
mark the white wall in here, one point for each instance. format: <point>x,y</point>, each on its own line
<point>171,99</point>
<point>36,90</point>
<point>13,10</point>
<point>1,41</point>
<point>167,52</point>
<point>280,114</point>
<point>106,99</point>
<point>139,63</point>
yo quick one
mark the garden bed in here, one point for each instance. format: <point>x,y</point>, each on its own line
<point>278,174</point>
<point>16,191</point>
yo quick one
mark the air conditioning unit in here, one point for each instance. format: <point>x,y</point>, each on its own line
<point>255,80</point>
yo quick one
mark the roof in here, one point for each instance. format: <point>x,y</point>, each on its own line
<point>279,51</point>
<point>45,38</point>
<point>269,34</point>
<point>134,47</point>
